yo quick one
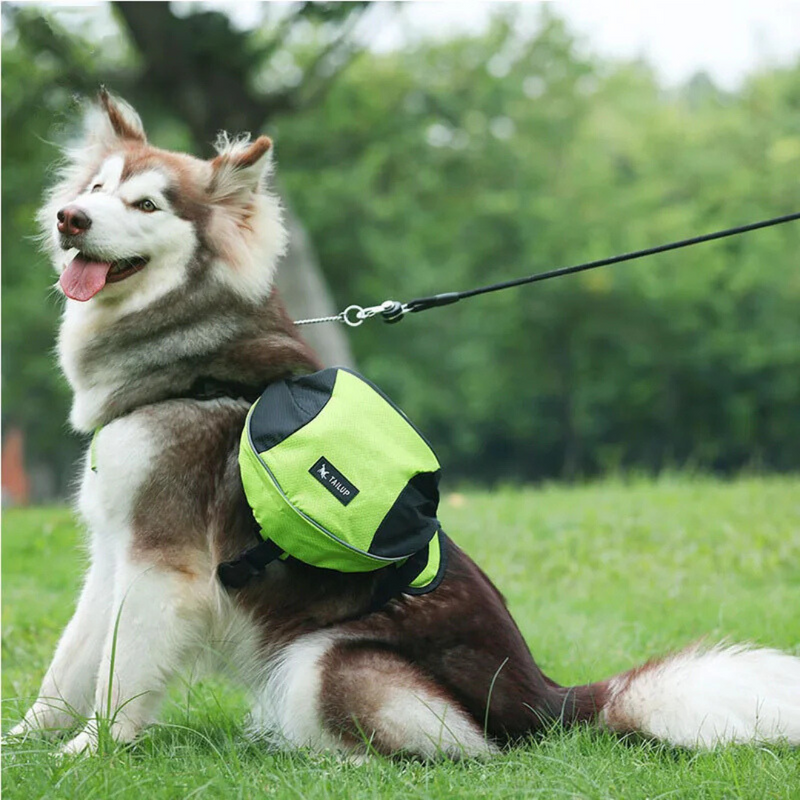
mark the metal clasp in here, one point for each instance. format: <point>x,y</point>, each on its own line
<point>354,315</point>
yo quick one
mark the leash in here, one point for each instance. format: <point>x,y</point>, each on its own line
<point>394,311</point>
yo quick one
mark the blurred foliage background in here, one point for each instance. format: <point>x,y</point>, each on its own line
<point>446,165</point>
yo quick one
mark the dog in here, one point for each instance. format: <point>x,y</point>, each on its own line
<point>171,328</point>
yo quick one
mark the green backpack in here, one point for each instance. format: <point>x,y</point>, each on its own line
<point>338,478</point>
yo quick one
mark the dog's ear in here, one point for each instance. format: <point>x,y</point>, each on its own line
<point>111,121</point>
<point>124,120</point>
<point>245,227</point>
<point>240,168</point>
<point>108,122</point>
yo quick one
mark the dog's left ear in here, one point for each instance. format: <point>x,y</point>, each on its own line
<point>240,168</point>
<point>110,121</point>
<point>124,120</point>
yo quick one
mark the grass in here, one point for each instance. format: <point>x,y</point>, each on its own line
<point>599,578</point>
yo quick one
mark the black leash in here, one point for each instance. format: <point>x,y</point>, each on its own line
<point>394,311</point>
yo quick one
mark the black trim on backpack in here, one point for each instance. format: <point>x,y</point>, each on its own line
<point>411,521</point>
<point>287,406</point>
<point>396,580</point>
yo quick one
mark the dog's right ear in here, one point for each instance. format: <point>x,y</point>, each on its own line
<point>111,121</point>
<point>240,169</point>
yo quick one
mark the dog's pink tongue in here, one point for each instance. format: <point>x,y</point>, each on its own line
<point>83,279</point>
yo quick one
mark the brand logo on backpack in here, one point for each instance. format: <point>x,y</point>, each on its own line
<point>333,481</point>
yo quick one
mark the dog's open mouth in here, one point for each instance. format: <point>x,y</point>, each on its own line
<point>86,275</point>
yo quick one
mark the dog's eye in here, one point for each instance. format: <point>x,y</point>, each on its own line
<point>146,205</point>
<point>97,187</point>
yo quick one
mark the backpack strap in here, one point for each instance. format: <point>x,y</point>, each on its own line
<point>395,580</point>
<point>214,389</point>
<point>237,573</point>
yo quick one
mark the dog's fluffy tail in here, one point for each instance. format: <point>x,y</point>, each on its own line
<point>701,697</point>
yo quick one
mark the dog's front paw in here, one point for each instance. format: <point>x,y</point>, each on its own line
<point>17,735</point>
<point>20,731</point>
<point>26,729</point>
<point>85,743</point>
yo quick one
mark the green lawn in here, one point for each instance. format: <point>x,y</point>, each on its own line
<point>599,577</point>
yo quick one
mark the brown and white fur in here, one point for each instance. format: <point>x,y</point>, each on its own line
<point>166,505</point>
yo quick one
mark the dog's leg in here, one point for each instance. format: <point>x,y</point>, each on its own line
<point>158,618</point>
<point>359,698</point>
<point>67,691</point>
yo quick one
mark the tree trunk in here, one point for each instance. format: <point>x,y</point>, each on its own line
<point>306,294</point>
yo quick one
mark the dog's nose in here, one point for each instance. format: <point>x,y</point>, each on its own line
<point>72,220</point>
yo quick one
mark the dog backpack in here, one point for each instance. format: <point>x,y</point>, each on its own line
<point>337,477</point>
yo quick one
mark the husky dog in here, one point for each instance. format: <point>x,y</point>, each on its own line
<point>171,328</point>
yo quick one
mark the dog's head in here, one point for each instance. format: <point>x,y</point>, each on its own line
<point>128,223</point>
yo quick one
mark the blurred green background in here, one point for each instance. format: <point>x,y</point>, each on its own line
<point>445,164</point>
